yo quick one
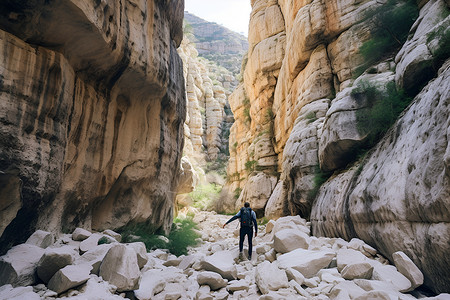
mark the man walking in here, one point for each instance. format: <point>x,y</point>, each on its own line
<point>248,220</point>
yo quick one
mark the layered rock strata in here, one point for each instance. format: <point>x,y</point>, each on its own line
<point>93,107</point>
<point>296,124</point>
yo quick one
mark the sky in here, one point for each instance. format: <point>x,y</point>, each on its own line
<point>233,14</point>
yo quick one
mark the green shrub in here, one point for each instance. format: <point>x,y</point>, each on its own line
<point>311,117</point>
<point>103,240</point>
<point>204,195</point>
<point>392,22</point>
<point>182,236</point>
<point>383,109</point>
<point>263,221</point>
<point>247,116</point>
<point>320,177</point>
<point>251,165</point>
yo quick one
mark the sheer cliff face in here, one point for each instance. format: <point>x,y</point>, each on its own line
<point>92,110</point>
<point>296,114</point>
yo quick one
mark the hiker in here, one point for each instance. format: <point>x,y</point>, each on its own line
<point>248,220</point>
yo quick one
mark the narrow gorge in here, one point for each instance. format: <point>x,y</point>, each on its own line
<point>122,119</point>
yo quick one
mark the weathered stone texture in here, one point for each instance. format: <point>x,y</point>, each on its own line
<point>93,107</point>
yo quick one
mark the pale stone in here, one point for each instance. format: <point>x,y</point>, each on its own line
<point>69,277</point>
<point>221,262</point>
<point>113,234</point>
<point>346,290</point>
<point>237,285</point>
<point>19,293</point>
<point>94,257</point>
<point>376,295</point>
<point>214,280</point>
<point>407,267</point>
<point>18,265</point>
<point>150,284</point>
<point>80,234</point>
<point>41,239</point>
<point>53,260</point>
<point>276,203</point>
<point>390,274</point>
<point>90,243</point>
<point>346,257</point>
<point>287,240</point>
<point>305,261</point>
<point>269,226</point>
<point>295,275</point>
<point>120,267</point>
<point>141,253</point>
<point>270,278</point>
<point>357,270</point>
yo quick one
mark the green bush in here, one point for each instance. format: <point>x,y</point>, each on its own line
<point>204,195</point>
<point>320,177</point>
<point>237,193</point>
<point>392,22</point>
<point>182,236</point>
<point>383,109</point>
<point>311,117</point>
<point>251,165</point>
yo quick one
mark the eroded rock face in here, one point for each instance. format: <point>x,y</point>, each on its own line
<point>404,181</point>
<point>92,113</point>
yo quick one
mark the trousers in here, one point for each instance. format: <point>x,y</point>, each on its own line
<point>242,233</point>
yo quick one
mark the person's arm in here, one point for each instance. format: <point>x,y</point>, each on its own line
<point>254,222</point>
<point>236,216</point>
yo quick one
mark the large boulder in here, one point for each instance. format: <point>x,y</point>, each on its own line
<point>90,243</point>
<point>69,277</point>
<point>214,280</point>
<point>270,278</point>
<point>221,262</point>
<point>94,257</point>
<point>120,267</point>
<point>53,260</point>
<point>287,240</point>
<point>407,267</point>
<point>151,283</point>
<point>141,253</point>
<point>41,239</point>
<point>357,270</point>
<point>18,266</point>
<point>346,257</point>
<point>390,274</point>
<point>305,261</point>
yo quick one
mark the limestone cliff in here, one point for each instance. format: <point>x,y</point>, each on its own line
<point>297,115</point>
<point>92,111</point>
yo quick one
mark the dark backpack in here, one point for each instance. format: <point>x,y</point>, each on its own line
<point>246,217</point>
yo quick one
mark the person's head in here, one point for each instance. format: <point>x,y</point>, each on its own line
<point>246,204</point>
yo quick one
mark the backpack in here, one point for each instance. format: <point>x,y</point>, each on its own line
<point>246,217</point>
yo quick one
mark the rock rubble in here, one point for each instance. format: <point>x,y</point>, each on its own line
<point>319,268</point>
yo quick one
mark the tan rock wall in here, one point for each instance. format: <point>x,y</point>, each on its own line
<point>304,75</point>
<point>92,119</point>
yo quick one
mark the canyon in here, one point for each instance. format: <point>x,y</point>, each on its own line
<point>113,113</point>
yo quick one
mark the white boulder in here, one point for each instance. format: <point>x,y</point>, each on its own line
<point>287,240</point>
<point>69,277</point>
<point>90,243</point>
<point>113,234</point>
<point>295,275</point>
<point>407,267</point>
<point>306,262</point>
<point>141,253</point>
<point>41,239</point>
<point>214,280</point>
<point>270,278</point>
<point>357,270</point>
<point>18,266</point>
<point>151,284</point>
<point>7,292</point>
<point>120,267</point>
<point>390,274</point>
<point>80,234</point>
<point>346,257</point>
<point>94,257</point>
<point>221,262</point>
<point>53,260</point>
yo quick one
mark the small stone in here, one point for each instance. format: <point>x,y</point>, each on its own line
<point>113,234</point>
<point>69,277</point>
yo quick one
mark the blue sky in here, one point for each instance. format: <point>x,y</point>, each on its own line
<point>233,14</point>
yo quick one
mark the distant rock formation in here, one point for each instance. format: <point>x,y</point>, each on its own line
<point>92,107</point>
<point>297,124</point>
<point>217,43</point>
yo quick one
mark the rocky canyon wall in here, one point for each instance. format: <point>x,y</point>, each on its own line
<point>92,111</point>
<point>297,126</point>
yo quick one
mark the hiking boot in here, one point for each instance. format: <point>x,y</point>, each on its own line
<point>250,257</point>
<point>241,256</point>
